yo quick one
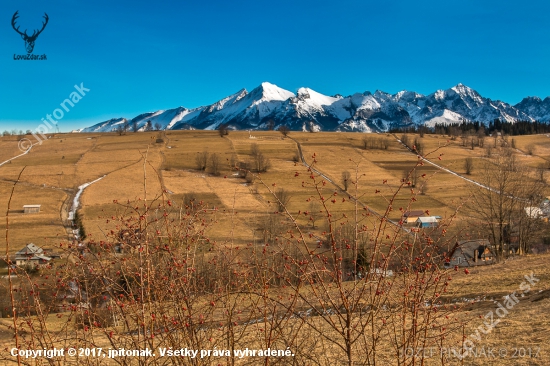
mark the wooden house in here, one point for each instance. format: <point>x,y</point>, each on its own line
<point>469,253</point>
<point>410,217</point>
<point>31,255</point>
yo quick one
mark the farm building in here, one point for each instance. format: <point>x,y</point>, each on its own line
<point>469,253</point>
<point>32,254</point>
<point>428,221</point>
<point>31,209</point>
<point>410,217</point>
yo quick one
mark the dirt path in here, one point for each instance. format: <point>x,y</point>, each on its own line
<point>15,157</point>
<point>380,216</point>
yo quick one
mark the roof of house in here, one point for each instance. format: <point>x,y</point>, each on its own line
<point>414,213</point>
<point>40,257</point>
<point>467,248</point>
<point>29,249</point>
<point>31,206</point>
<point>427,219</point>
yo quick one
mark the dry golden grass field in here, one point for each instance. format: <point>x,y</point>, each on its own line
<point>162,165</point>
<point>55,169</point>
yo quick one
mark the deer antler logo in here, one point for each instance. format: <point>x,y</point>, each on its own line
<point>29,40</point>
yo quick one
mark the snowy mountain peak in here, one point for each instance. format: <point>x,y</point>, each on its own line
<point>400,94</point>
<point>407,96</point>
<point>464,90</point>
<point>271,92</point>
<point>531,100</point>
<point>379,94</point>
<point>315,97</point>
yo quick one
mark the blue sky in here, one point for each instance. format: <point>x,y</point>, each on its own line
<point>138,56</point>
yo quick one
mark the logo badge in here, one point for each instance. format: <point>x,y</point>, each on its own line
<point>29,39</point>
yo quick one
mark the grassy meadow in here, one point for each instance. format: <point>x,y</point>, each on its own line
<point>144,165</point>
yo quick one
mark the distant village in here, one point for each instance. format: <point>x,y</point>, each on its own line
<point>465,253</point>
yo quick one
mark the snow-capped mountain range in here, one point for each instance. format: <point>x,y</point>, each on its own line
<point>365,112</point>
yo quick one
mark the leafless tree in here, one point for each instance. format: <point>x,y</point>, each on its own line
<point>504,142</point>
<point>243,168</point>
<point>500,210</point>
<point>410,177</point>
<point>540,173</point>
<point>282,197</point>
<point>469,165</point>
<point>215,162</point>
<point>149,126</point>
<point>261,162</point>
<point>346,179</point>
<point>271,226</point>
<point>284,130</point>
<point>422,131</point>
<point>453,132</point>
<point>481,137</point>
<point>201,160</point>
<point>223,130</point>
<point>315,212</point>
<point>372,142</point>
<point>489,151</point>
<point>158,126</point>
<point>254,150</point>
<point>135,127</point>
<point>418,146</point>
